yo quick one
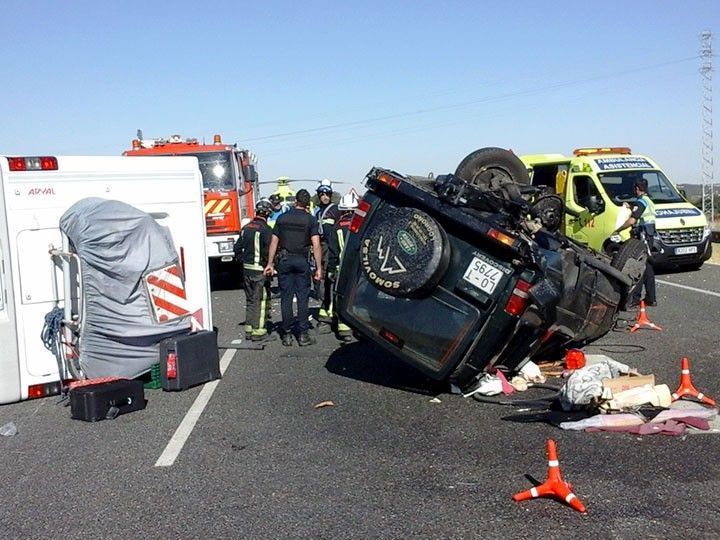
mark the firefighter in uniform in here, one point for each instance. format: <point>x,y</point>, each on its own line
<point>252,249</point>
<point>295,234</point>
<point>327,215</point>
<point>642,221</point>
<point>336,244</point>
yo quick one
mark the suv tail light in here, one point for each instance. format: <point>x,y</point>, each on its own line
<point>518,300</point>
<point>501,237</point>
<point>388,180</point>
<point>359,216</point>
<point>40,163</point>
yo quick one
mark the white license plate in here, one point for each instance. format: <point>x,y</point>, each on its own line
<point>225,247</point>
<point>685,250</point>
<point>483,275</point>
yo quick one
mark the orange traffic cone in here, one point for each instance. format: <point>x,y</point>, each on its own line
<point>643,321</point>
<point>554,486</point>
<point>687,388</point>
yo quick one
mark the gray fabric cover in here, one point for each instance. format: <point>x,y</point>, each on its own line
<point>118,245</point>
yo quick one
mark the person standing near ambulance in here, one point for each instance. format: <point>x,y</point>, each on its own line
<point>336,245</point>
<point>642,221</point>
<point>327,214</point>
<point>253,248</point>
<point>295,234</point>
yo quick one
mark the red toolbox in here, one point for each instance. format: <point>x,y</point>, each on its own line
<point>189,360</point>
<point>106,400</point>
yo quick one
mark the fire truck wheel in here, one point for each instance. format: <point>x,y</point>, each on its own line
<point>404,252</point>
<point>492,167</point>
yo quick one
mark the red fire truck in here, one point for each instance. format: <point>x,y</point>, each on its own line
<point>230,183</point>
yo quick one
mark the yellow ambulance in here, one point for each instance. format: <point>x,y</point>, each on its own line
<point>597,187</point>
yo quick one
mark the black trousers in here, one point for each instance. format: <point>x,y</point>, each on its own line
<point>257,300</point>
<point>648,281</point>
<point>294,282</point>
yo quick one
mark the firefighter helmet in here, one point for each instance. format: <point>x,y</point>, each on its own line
<point>348,202</point>
<point>263,208</point>
<point>325,186</point>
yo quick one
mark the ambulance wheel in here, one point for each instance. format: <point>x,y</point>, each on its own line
<point>631,260</point>
<point>492,168</point>
<point>404,252</point>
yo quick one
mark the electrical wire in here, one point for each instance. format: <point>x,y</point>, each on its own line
<point>540,401</point>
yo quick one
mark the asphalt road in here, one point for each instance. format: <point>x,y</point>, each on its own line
<point>386,461</point>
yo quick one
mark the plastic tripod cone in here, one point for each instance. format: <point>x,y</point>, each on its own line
<point>554,486</point>
<point>687,388</point>
<point>643,321</point>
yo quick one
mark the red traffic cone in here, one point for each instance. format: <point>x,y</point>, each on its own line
<point>554,486</point>
<point>686,386</point>
<point>643,321</point>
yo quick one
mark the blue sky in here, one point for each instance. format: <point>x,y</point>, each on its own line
<point>329,89</point>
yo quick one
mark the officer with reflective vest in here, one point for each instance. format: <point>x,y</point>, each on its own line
<point>278,208</point>
<point>252,249</point>
<point>336,245</point>
<point>327,215</point>
<point>642,221</point>
<point>294,236</point>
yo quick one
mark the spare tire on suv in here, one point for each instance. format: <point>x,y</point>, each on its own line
<point>404,252</point>
<point>492,168</point>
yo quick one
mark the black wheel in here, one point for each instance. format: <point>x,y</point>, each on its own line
<point>492,167</point>
<point>631,259</point>
<point>404,252</point>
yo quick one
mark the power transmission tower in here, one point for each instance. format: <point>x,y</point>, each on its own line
<point>706,69</point>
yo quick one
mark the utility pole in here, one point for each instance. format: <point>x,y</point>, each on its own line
<point>708,182</point>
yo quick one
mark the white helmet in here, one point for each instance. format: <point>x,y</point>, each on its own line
<point>325,186</point>
<point>348,202</point>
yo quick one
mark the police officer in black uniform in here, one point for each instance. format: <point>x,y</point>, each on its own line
<point>252,249</point>
<point>295,234</point>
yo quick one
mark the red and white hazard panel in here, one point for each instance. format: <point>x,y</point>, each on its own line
<point>215,207</point>
<point>166,288</point>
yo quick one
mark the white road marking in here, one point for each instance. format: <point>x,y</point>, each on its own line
<point>180,437</point>
<point>703,291</point>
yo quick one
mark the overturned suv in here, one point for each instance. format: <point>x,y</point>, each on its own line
<point>467,271</point>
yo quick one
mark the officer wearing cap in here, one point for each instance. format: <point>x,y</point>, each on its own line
<point>253,248</point>
<point>295,234</point>
<point>278,208</point>
<point>327,214</point>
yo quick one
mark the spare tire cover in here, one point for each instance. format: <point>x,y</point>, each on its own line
<point>404,252</point>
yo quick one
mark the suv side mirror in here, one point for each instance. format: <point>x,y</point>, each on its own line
<point>596,205</point>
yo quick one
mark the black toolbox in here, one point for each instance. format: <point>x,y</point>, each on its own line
<point>106,400</point>
<point>188,360</point>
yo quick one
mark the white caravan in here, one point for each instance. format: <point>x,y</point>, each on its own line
<point>34,193</point>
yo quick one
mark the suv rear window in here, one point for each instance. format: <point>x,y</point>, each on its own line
<point>431,330</point>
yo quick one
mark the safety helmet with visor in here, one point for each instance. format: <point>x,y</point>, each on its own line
<point>263,208</point>
<point>325,186</point>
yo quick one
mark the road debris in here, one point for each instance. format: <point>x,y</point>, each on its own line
<point>322,404</point>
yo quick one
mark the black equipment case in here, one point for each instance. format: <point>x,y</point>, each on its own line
<point>189,360</point>
<point>106,400</point>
